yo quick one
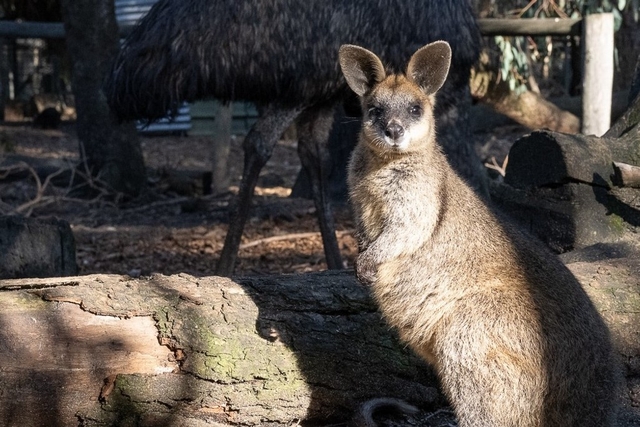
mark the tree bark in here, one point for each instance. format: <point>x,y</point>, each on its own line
<point>184,351</point>
<point>563,187</point>
<point>110,151</point>
<point>258,351</point>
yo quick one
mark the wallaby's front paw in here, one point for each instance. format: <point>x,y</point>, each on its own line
<point>366,269</point>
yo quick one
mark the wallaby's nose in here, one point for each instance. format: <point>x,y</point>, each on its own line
<point>394,131</point>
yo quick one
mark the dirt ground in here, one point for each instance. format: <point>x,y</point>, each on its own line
<point>172,227</point>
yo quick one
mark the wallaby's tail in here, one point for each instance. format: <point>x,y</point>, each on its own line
<point>364,418</point>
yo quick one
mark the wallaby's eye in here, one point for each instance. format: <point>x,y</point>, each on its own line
<point>415,110</point>
<point>375,112</point>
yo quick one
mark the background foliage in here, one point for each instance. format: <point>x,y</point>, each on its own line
<point>531,63</point>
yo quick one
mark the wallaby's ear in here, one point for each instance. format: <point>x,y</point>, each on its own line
<point>429,66</point>
<point>362,69</point>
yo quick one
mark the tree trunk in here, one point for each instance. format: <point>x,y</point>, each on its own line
<point>562,188</point>
<point>110,151</point>
<point>546,158</point>
<point>184,351</point>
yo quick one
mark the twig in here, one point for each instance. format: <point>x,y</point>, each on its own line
<point>502,169</point>
<point>527,7</point>
<point>292,236</point>
<point>561,13</point>
<point>157,204</point>
<point>92,181</point>
<point>40,200</point>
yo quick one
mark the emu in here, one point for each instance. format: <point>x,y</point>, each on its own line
<point>282,55</point>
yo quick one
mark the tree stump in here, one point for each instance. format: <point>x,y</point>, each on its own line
<point>36,248</point>
<point>109,350</point>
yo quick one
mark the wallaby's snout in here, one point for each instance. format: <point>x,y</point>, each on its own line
<point>394,130</point>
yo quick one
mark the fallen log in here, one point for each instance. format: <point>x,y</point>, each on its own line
<point>562,187</point>
<point>188,351</point>
<point>545,158</point>
<point>552,158</point>
<point>112,350</point>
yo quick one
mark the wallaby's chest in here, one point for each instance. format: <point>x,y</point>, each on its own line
<point>379,192</point>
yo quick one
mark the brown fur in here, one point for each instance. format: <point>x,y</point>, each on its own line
<point>511,333</point>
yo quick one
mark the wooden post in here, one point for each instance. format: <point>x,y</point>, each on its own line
<point>598,73</point>
<point>220,147</point>
<point>529,27</point>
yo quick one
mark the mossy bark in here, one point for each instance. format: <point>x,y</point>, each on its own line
<point>110,350</point>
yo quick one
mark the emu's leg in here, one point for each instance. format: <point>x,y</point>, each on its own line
<point>258,146</point>
<point>314,126</point>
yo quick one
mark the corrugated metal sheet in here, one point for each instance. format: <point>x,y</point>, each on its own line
<point>128,12</point>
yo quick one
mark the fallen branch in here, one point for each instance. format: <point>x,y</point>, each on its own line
<point>625,175</point>
<point>527,108</point>
<point>292,236</point>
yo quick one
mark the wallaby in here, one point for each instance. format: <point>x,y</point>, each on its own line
<point>510,332</point>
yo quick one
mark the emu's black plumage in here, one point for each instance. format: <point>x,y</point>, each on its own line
<point>282,55</point>
<point>269,50</point>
